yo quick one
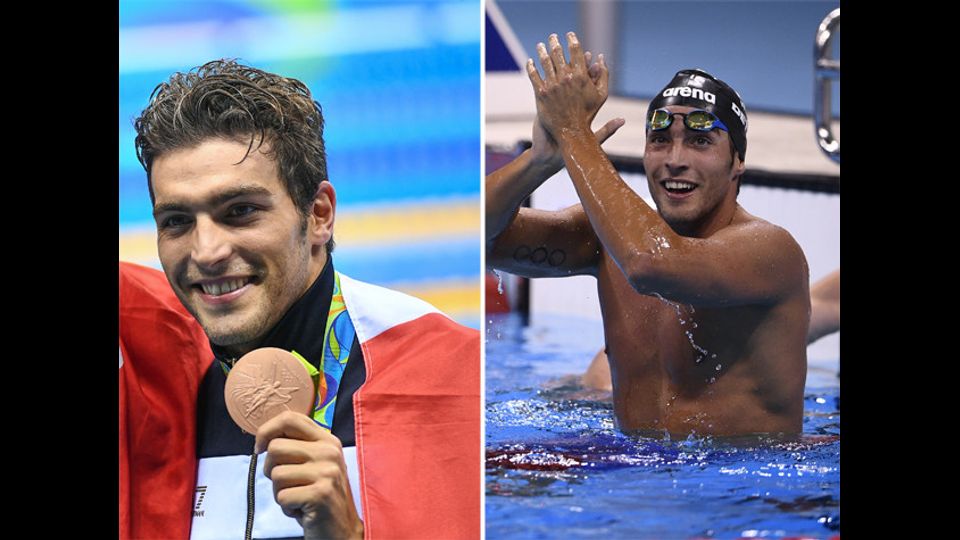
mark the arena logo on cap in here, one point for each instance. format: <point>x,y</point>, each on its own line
<point>696,93</point>
<point>739,113</point>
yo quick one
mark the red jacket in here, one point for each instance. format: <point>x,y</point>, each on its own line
<point>163,355</point>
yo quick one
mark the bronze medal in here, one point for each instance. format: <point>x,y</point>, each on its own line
<point>263,384</point>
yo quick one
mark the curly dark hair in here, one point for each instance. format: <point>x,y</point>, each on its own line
<point>224,98</point>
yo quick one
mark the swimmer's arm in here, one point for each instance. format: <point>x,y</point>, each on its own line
<point>824,307</point>
<point>539,243</point>
<point>568,98</point>
<point>750,263</point>
<point>531,242</point>
<point>506,188</point>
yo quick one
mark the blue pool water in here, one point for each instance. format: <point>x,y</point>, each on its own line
<point>556,467</point>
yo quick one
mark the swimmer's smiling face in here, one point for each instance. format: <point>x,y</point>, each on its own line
<point>691,174</point>
<point>232,244</point>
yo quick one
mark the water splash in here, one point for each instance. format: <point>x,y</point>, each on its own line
<point>701,352</point>
<point>660,243</point>
<point>548,452</point>
<point>490,328</point>
<point>499,282</point>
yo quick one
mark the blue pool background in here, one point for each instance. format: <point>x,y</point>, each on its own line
<point>399,83</point>
<point>556,467</point>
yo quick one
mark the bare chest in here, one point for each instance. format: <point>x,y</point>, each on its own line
<point>686,345</point>
<point>683,367</point>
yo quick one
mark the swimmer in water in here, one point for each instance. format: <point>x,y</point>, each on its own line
<point>705,306</point>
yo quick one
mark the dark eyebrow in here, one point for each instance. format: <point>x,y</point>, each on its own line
<point>217,200</point>
<point>712,134</point>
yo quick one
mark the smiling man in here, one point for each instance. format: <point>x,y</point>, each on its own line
<point>705,307</point>
<point>245,216</point>
<point>237,253</point>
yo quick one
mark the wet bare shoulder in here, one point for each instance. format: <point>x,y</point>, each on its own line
<point>775,244</point>
<point>750,261</point>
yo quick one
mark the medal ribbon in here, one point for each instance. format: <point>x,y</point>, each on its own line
<point>337,339</point>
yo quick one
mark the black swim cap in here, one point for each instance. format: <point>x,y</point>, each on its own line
<point>697,88</point>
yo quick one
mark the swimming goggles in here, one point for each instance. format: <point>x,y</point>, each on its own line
<point>698,120</point>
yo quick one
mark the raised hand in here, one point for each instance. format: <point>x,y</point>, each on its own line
<point>571,93</point>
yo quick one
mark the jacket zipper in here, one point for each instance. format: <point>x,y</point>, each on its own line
<point>251,484</point>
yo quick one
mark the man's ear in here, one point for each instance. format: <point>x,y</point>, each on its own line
<point>322,214</point>
<point>739,167</point>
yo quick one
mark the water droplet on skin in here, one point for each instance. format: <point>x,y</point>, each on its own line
<point>676,307</point>
<point>499,282</point>
<point>718,367</point>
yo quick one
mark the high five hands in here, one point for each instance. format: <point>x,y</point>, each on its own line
<point>568,96</point>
